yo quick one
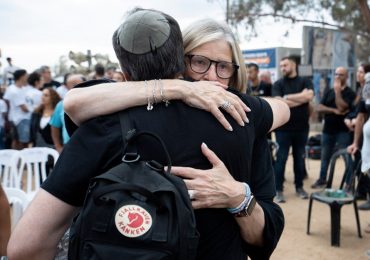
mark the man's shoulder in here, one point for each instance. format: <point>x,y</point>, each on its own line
<point>349,90</point>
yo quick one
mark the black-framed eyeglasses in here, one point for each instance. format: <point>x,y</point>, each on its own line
<point>200,64</point>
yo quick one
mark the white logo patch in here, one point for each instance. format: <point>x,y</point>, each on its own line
<point>133,221</point>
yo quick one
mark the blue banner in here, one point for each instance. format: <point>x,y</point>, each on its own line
<point>264,58</point>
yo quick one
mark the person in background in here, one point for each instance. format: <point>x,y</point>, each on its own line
<point>335,104</point>
<point>109,74</point>
<point>47,79</point>
<point>3,121</point>
<point>118,76</point>
<point>19,114</point>
<point>57,122</point>
<point>63,89</point>
<point>265,76</point>
<point>363,187</point>
<point>296,92</point>
<point>33,92</point>
<point>40,127</point>
<point>257,87</point>
<point>8,77</point>
<point>350,119</point>
<point>99,71</point>
<point>362,128</point>
<point>5,224</point>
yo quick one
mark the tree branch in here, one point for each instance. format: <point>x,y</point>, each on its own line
<point>365,11</point>
<point>294,20</point>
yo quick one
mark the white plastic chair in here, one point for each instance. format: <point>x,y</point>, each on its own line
<point>9,168</point>
<point>19,201</point>
<point>34,161</point>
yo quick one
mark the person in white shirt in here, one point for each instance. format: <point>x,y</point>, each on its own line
<point>19,114</point>
<point>63,89</point>
<point>3,111</point>
<point>8,77</point>
<point>33,92</point>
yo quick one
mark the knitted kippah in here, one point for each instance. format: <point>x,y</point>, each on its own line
<point>143,32</point>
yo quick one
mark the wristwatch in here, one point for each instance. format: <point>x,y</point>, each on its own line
<point>248,209</point>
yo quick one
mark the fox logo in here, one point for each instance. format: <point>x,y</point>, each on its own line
<point>133,221</point>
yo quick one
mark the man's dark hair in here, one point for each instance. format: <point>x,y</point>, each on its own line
<point>8,59</point>
<point>366,67</point>
<point>164,62</point>
<point>291,58</point>
<point>99,70</point>
<point>18,74</point>
<point>253,65</point>
<point>33,78</point>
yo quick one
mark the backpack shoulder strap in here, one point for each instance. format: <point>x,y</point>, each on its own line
<point>125,123</point>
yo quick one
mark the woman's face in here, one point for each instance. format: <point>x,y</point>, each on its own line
<point>45,99</point>
<point>218,51</point>
<point>360,75</point>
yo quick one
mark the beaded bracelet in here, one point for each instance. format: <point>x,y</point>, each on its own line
<point>162,94</point>
<point>242,205</point>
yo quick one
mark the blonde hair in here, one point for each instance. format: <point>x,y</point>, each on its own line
<point>208,30</point>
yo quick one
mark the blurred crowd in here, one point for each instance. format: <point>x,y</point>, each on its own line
<point>31,105</point>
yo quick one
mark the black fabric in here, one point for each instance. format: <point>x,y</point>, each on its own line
<point>70,125</point>
<point>162,219</point>
<point>334,123</point>
<point>298,115</point>
<point>35,127</point>
<point>364,108</point>
<point>51,84</point>
<point>354,108</point>
<point>97,146</point>
<point>263,89</point>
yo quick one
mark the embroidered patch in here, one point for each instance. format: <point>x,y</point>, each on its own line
<point>133,221</point>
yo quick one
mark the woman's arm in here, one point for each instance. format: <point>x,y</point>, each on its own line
<point>82,104</point>
<point>280,112</point>
<point>45,221</point>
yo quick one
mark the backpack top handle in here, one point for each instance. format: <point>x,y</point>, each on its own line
<point>130,135</point>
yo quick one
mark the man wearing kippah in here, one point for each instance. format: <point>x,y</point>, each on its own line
<point>149,46</point>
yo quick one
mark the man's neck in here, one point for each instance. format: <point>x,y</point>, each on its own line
<point>255,82</point>
<point>292,75</point>
<point>18,84</point>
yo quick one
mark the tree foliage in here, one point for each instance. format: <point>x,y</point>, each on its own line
<point>346,15</point>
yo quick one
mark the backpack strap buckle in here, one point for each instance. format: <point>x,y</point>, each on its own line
<point>131,157</point>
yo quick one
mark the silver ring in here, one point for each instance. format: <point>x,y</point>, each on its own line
<point>191,194</point>
<point>226,105</point>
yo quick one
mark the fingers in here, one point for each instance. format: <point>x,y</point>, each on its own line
<point>184,172</point>
<point>240,107</point>
<point>220,117</point>
<point>237,113</point>
<point>210,155</point>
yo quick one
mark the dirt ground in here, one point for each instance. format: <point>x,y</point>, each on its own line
<point>296,244</point>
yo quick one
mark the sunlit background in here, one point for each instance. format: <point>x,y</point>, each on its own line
<point>38,32</point>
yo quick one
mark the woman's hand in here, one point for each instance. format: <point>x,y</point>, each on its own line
<point>352,149</point>
<point>213,188</point>
<point>212,96</point>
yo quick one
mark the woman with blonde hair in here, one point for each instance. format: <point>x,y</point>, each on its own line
<point>211,54</point>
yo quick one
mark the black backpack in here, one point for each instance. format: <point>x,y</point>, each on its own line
<point>135,210</point>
